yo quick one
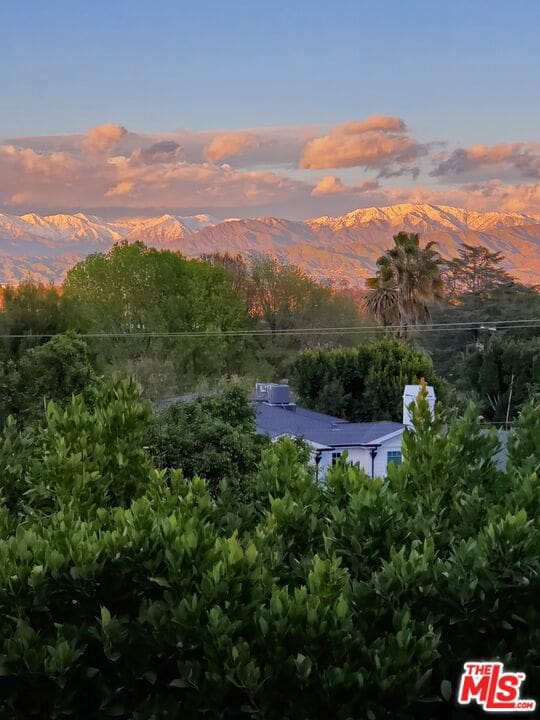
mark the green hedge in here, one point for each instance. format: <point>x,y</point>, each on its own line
<point>362,384</point>
<point>139,595</point>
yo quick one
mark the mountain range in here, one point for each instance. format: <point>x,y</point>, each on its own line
<point>341,249</point>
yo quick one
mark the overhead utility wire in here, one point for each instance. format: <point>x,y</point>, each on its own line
<point>502,325</point>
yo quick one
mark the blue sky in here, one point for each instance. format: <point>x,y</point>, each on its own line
<point>441,79</point>
<point>465,71</point>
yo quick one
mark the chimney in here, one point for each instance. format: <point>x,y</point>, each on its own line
<point>409,396</point>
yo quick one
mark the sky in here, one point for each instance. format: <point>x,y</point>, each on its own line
<point>290,108</point>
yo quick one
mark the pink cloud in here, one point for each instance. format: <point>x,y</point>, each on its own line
<point>111,167</point>
<point>378,142</point>
<point>227,145</point>
<point>103,138</point>
<point>332,185</point>
<point>96,180</point>
<point>521,159</point>
<point>329,185</point>
<point>386,123</point>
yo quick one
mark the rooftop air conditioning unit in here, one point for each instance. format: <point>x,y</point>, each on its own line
<point>273,393</point>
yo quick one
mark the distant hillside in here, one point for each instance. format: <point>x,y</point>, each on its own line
<point>341,248</point>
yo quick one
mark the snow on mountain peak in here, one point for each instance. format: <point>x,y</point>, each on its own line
<point>340,248</point>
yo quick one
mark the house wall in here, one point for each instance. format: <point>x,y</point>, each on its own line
<point>362,457</point>
<point>381,462</point>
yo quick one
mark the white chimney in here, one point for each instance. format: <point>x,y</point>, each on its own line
<point>409,396</point>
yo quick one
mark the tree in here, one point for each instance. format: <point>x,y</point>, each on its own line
<point>486,308</point>
<point>213,437</point>
<point>62,367</point>
<point>237,270</point>
<point>475,269</point>
<point>129,592</point>
<point>80,456</point>
<point>503,375</point>
<point>280,292</point>
<point>284,297</point>
<point>408,276</point>
<point>34,310</point>
<point>135,290</point>
<point>364,383</point>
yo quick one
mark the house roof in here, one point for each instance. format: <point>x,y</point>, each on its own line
<point>326,430</point>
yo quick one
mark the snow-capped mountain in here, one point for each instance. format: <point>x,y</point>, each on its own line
<point>342,248</point>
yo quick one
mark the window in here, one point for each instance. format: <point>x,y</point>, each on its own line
<point>393,456</point>
<point>335,457</point>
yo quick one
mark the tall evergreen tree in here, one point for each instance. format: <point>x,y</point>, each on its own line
<point>476,269</point>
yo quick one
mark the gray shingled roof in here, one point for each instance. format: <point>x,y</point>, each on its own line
<point>276,420</point>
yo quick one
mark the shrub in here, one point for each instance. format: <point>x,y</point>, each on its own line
<point>145,597</point>
<point>214,437</point>
<point>364,383</point>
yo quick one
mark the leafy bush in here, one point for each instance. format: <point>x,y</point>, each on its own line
<point>504,374</point>
<point>364,383</point>
<point>141,596</point>
<point>55,370</point>
<point>213,437</point>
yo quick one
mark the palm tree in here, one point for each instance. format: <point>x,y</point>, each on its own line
<point>407,278</point>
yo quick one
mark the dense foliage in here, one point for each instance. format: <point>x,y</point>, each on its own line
<point>361,384</point>
<point>140,290</point>
<point>129,592</point>
<point>213,437</point>
<point>503,375</point>
<point>29,313</point>
<point>280,297</point>
<point>55,370</point>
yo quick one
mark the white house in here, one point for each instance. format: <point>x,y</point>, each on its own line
<point>372,445</point>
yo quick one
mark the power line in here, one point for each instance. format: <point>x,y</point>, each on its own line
<point>503,325</point>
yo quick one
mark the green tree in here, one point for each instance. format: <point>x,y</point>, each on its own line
<point>133,288</point>
<point>213,437</point>
<point>62,367</point>
<point>364,383</point>
<point>503,375</point>
<point>285,298</point>
<point>475,269</point>
<point>33,311</point>
<point>140,290</point>
<point>407,278</point>
<point>78,457</point>
<point>486,308</point>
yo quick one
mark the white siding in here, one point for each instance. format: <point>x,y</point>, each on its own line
<point>362,457</point>
<point>381,459</point>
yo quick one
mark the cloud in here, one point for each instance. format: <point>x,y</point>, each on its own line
<point>332,185</point>
<point>386,123</point>
<point>329,185</point>
<point>255,171</point>
<point>514,159</point>
<point>158,178</point>
<point>161,151</point>
<point>379,142</point>
<point>227,145</point>
<point>103,138</point>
